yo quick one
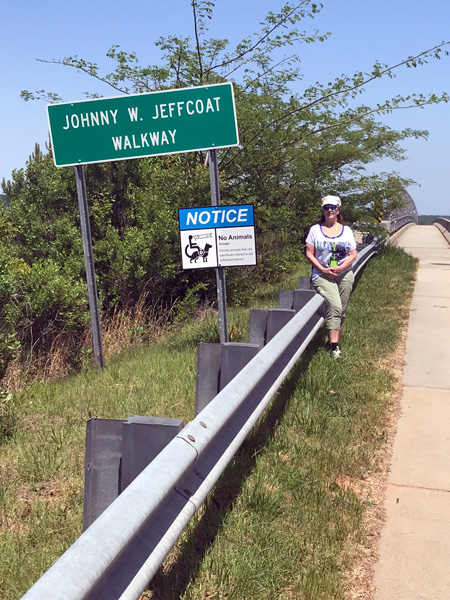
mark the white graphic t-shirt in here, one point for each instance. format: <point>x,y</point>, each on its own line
<point>328,248</point>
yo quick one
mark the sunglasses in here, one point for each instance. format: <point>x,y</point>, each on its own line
<point>329,207</point>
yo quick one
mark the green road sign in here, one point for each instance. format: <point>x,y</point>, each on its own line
<point>168,122</point>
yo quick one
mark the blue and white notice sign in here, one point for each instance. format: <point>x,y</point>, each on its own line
<point>217,236</point>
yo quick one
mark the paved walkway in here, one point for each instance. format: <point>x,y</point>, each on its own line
<point>415,542</point>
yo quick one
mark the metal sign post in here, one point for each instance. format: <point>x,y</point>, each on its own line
<point>89,265</point>
<point>220,271</point>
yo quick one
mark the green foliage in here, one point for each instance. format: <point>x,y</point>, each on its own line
<point>51,302</point>
<point>41,291</point>
<point>9,344</point>
<point>186,307</point>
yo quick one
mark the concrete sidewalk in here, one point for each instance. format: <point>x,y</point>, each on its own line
<point>414,548</point>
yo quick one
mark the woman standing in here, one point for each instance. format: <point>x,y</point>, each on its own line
<point>331,249</point>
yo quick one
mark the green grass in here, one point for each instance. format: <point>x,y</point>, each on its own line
<point>279,521</point>
<point>284,520</point>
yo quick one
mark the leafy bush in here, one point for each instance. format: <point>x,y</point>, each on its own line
<point>9,344</point>
<point>50,302</point>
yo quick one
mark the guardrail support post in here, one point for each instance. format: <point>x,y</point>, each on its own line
<point>258,327</point>
<point>143,439</point>
<point>301,298</point>
<point>276,320</point>
<point>208,374</point>
<point>116,452</point>
<point>265,324</point>
<point>102,466</point>
<point>295,299</point>
<point>286,299</point>
<point>234,358</point>
<point>217,365</point>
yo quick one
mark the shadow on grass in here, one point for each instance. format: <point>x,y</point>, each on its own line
<point>172,580</point>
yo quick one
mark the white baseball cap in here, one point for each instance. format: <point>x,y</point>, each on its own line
<point>331,200</point>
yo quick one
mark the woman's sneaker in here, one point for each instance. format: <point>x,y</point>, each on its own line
<point>336,352</point>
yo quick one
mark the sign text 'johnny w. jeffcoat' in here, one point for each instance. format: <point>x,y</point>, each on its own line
<point>139,125</point>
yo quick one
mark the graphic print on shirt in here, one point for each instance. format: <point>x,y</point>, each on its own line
<point>326,251</point>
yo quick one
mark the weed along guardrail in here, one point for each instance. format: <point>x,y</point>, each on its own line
<point>117,556</point>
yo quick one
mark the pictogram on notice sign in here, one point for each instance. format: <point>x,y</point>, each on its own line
<point>217,236</point>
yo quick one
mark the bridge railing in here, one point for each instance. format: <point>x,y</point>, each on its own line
<point>396,223</point>
<point>117,556</point>
<point>444,227</point>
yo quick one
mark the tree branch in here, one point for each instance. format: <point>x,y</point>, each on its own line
<point>261,40</point>
<point>411,59</point>
<point>80,67</point>
<point>197,42</point>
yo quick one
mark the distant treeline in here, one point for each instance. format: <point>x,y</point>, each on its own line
<point>429,219</point>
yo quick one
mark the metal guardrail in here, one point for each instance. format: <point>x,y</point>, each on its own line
<point>366,253</point>
<point>117,556</point>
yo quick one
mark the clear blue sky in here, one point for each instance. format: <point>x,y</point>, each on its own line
<point>362,31</point>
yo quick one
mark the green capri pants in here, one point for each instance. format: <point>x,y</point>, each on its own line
<point>336,293</point>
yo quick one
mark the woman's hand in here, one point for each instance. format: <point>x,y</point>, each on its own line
<point>336,270</point>
<point>330,272</point>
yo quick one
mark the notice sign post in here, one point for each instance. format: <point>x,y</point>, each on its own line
<point>217,236</point>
